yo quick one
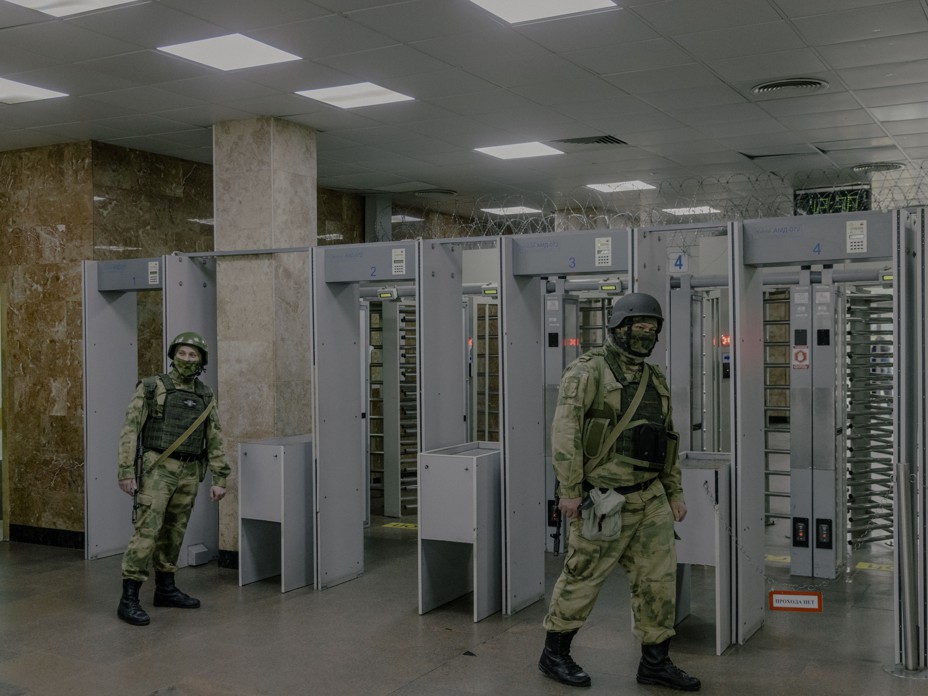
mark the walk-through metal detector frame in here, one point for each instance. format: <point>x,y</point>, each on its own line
<point>526,261</point>
<point>754,245</point>
<point>111,372</point>
<point>910,441</point>
<point>706,474</point>
<point>339,407</point>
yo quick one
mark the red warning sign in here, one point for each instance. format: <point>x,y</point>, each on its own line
<point>800,359</point>
<point>786,600</point>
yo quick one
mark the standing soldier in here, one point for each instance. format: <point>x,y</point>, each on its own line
<point>172,428</point>
<point>615,456</point>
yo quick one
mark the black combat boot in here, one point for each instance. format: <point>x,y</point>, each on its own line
<point>556,662</point>
<point>656,668</point>
<point>167,594</point>
<point>129,609</point>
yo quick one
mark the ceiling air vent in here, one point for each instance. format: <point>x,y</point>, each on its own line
<point>593,140</point>
<point>805,84</point>
<point>868,167</point>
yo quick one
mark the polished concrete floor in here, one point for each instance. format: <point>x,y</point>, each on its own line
<point>59,635</point>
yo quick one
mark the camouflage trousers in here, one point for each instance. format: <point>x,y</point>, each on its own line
<point>645,549</point>
<point>166,499</point>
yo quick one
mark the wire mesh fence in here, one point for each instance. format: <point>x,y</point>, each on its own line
<point>705,200</point>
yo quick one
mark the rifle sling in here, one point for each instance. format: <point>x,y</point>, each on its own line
<point>626,417</point>
<point>187,433</point>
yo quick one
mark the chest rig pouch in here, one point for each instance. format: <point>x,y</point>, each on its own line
<point>649,443</point>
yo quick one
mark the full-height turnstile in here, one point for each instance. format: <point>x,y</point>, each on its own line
<point>110,374</point>
<point>818,469</point>
<point>791,242</point>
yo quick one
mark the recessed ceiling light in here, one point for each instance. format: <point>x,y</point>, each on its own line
<point>698,210</point>
<point>230,52</point>
<point>621,186</point>
<point>534,149</point>
<point>353,96</point>
<point>514,11</point>
<point>17,92</point>
<point>63,8</point>
<point>514,210</point>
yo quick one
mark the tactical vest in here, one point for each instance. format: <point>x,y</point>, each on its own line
<point>181,409</point>
<point>603,416</point>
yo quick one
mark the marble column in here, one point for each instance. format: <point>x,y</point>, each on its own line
<point>264,180</point>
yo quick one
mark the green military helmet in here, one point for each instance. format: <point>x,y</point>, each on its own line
<point>635,304</point>
<point>190,338</point>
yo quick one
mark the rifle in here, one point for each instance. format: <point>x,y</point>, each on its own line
<point>139,457</point>
<point>556,521</point>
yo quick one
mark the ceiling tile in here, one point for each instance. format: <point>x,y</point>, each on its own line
<point>869,77</point>
<point>769,66</point>
<point>630,57</point>
<point>327,36</point>
<point>863,23</point>
<point>687,16</point>
<point>593,30</point>
<point>242,17</point>
<point>149,25</point>
<point>731,42</point>
<point>886,49</point>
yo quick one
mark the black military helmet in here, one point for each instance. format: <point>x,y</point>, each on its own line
<point>190,338</point>
<point>635,304</point>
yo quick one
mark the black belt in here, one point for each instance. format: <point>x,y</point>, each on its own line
<point>181,457</point>
<point>624,490</point>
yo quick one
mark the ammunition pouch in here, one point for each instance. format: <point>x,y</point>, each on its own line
<point>596,430</point>
<point>601,514</point>
<point>656,445</point>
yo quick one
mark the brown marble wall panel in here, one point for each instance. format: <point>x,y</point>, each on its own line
<point>49,230</point>
<point>340,218</point>
<point>59,206</point>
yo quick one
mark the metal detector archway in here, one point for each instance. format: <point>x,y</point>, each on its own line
<point>337,273</point>
<point>110,337</point>
<point>532,323</point>
<point>755,245</point>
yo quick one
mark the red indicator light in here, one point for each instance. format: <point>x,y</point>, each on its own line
<point>726,340</point>
<point>572,342</point>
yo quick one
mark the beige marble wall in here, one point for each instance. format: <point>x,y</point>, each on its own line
<point>61,205</point>
<point>265,184</point>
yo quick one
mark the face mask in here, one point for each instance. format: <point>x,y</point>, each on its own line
<point>187,368</point>
<point>641,343</point>
<point>637,344</point>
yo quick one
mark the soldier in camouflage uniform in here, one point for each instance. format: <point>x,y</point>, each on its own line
<point>162,409</point>
<point>594,475</point>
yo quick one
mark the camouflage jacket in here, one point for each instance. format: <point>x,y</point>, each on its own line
<point>136,414</point>
<point>587,378</point>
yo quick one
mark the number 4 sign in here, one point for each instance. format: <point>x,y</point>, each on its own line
<point>677,261</point>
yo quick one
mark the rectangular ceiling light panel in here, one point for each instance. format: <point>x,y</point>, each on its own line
<point>519,150</point>
<point>698,210</point>
<point>17,92</point>
<point>514,210</point>
<point>64,8</point>
<point>353,96</point>
<point>514,11</point>
<point>231,52</point>
<point>621,186</point>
